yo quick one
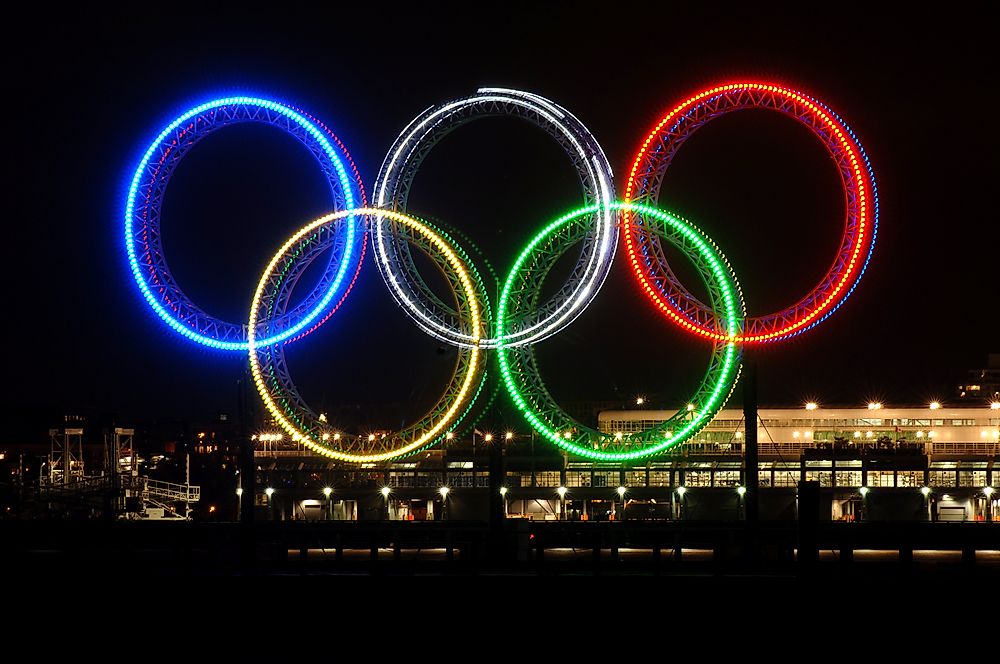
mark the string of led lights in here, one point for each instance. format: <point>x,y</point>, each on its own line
<point>395,179</point>
<point>143,243</point>
<point>270,373</point>
<point>645,254</point>
<point>523,378</point>
<point>463,317</point>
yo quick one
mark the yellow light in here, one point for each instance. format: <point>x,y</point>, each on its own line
<point>931,435</point>
<point>336,436</point>
<point>269,492</point>
<point>621,491</point>
<point>935,405</point>
<point>326,436</point>
<point>239,491</point>
<point>874,405</point>
<point>690,406</point>
<point>503,491</point>
<point>857,434</point>
<point>618,435</point>
<point>795,434</point>
<point>920,434</point>
<point>639,401</point>
<point>807,434</point>
<point>327,491</point>
<point>449,435</point>
<point>568,435</point>
<point>371,437</point>
<point>868,434</point>
<point>995,405</point>
<point>386,491</point>
<point>739,434</point>
<point>812,405</point>
<point>508,435</point>
<point>561,491</point>
<point>488,437</point>
<point>444,491</point>
<point>472,367</point>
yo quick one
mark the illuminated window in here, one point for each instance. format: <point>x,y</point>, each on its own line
<point>910,478</point>
<point>942,478</point>
<point>848,477</point>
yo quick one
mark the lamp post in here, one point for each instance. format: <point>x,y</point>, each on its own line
<point>621,497</point>
<point>269,492</point>
<point>385,494</point>
<point>329,503</point>
<point>503,496</point>
<point>444,501</point>
<point>239,503</point>
<point>562,502</point>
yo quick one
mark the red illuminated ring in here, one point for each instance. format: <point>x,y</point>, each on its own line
<point>656,154</point>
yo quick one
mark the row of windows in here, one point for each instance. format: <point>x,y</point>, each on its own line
<point>632,426</point>
<point>780,477</point>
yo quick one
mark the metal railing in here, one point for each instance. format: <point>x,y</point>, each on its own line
<point>171,491</point>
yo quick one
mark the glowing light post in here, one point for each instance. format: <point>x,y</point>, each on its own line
<point>562,502</point>
<point>988,492</point>
<point>503,496</point>
<point>329,503</point>
<point>269,492</point>
<point>385,494</point>
<point>925,491</point>
<point>864,501</point>
<point>444,501</point>
<point>621,497</point>
<point>239,501</point>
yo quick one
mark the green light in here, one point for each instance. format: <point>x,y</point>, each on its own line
<point>544,415</point>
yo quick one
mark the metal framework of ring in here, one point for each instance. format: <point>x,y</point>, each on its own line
<point>462,318</point>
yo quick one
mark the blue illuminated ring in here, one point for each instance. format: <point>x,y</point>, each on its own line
<point>142,219</point>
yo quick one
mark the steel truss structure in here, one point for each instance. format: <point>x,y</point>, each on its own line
<point>395,179</point>
<point>149,185</point>
<point>271,370</point>
<point>861,198</point>
<point>523,377</point>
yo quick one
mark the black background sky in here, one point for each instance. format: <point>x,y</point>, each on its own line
<point>88,90</point>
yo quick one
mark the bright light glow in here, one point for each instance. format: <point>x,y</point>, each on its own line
<point>920,434</point>
<point>508,435</point>
<point>618,435</point>
<point>503,491</point>
<point>995,405</point>
<point>795,434</point>
<point>142,214</point>
<point>595,171</point>
<point>561,491</point>
<point>812,405</point>
<point>741,490</point>
<point>327,491</point>
<point>738,434</point>
<point>639,401</point>
<point>860,231</point>
<point>239,491</point>
<point>449,435</point>
<point>807,434</point>
<point>868,434</point>
<point>690,406</point>
<point>864,491</point>
<point>874,405</point>
<point>925,490</point>
<point>935,405</point>
<point>386,491</point>
<point>988,491</point>
<point>326,436</point>
<point>488,437</point>
<point>621,491</point>
<point>857,434</point>
<point>444,491</point>
<point>682,490</point>
<point>269,491</point>
<point>549,420</point>
<point>932,434</point>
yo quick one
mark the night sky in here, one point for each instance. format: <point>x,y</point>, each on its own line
<point>90,90</point>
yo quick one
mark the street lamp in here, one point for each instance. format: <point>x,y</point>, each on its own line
<point>239,503</point>
<point>270,503</point>
<point>621,496</point>
<point>503,497</point>
<point>562,498</point>
<point>329,503</point>
<point>444,500</point>
<point>385,494</point>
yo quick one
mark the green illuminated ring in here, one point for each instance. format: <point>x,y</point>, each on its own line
<point>520,372</point>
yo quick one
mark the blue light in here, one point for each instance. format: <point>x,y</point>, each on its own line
<point>348,185</point>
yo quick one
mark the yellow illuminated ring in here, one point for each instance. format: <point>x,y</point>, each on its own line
<point>473,363</point>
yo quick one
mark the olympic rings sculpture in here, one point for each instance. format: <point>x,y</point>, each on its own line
<point>463,318</point>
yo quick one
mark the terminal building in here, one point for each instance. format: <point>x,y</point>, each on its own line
<point>875,463</point>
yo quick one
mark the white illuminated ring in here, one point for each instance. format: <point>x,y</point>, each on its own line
<point>392,190</point>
